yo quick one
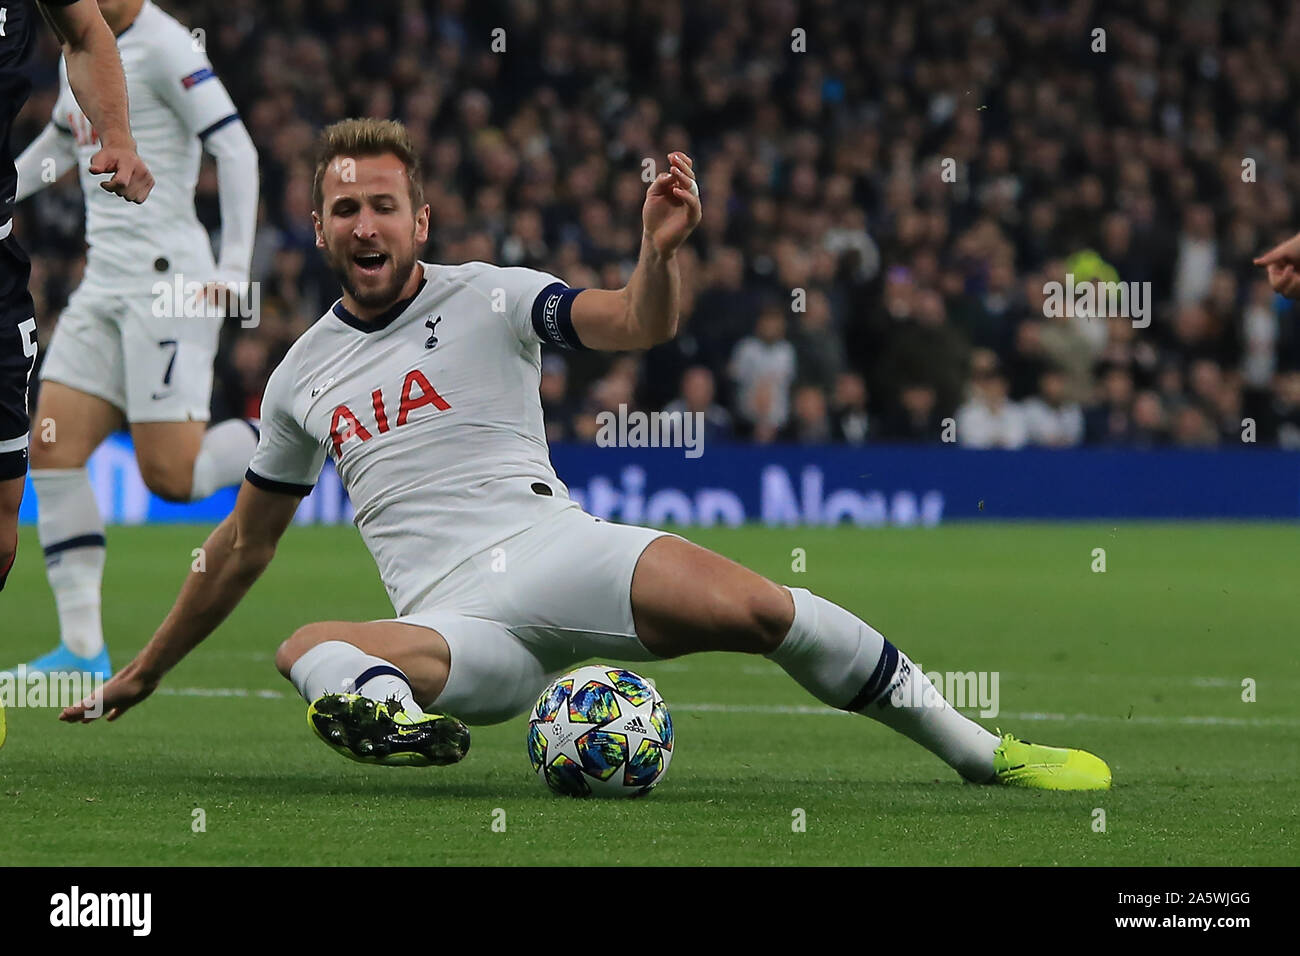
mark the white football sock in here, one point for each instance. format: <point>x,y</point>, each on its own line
<point>846,663</point>
<point>337,667</point>
<point>223,457</point>
<point>72,536</point>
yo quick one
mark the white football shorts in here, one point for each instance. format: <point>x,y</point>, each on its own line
<point>519,614</point>
<point>113,346</point>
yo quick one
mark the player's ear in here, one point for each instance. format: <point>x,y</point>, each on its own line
<point>317,225</point>
<point>422,224</point>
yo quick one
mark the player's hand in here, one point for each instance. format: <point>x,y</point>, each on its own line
<point>221,295</point>
<point>123,691</point>
<point>216,295</point>
<point>131,177</point>
<point>1283,265</point>
<point>672,205</point>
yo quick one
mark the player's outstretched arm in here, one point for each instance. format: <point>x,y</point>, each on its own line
<point>52,144</point>
<point>95,75</point>
<point>644,312</point>
<point>237,182</point>
<point>235,554</point>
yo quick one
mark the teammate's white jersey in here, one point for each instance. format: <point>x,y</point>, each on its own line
<point>175,100</point>
<point>432,415</point>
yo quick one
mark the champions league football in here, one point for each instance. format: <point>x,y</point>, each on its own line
<point>600,731</point>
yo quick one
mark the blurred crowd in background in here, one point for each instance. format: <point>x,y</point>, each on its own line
<point>841,287</point>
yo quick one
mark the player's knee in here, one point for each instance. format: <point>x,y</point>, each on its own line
<point>45,452</point>
<point>168,480</point>
<point>295,645</point>
<point>39,452</point>
<point>769,612</point>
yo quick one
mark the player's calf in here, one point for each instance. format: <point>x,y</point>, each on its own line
<point>170,481</point>
<point>188,461</point>
<point>11,496</point>
<point>165,452</point>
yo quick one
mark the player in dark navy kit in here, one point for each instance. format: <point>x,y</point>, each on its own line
<point>95,74</point>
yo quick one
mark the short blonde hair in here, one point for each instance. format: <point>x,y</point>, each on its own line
<point>366,137</point>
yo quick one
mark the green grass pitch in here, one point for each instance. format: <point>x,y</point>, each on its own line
<point>1142,664</point>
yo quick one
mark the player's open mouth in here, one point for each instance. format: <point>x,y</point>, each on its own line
<point>369,262</point>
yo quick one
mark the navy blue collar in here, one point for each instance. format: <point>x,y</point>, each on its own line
<point>384,319</point>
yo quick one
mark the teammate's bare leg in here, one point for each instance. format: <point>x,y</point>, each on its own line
<point>166,453</point>
<point>68,426</point>
<point>11,497</point>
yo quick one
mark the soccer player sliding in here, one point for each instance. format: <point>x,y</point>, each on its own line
<point>500,581</point>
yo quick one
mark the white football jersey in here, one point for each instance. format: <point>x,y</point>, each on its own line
<point>175,101</point>
<point>432,416</point>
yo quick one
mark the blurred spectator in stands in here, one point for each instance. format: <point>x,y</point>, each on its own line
<point>809,423</point>
<point>1169,384</point>
<point>696,397</point>
<point>988,317</point>
<point>1125,347</point>
<point>1150,429</point>
<point>1197,256</point>
<point>1109,421</point>
<point>1284,410</point>
<point>1028,361</point>
<point>818,352</point>
<point>557,407</point>
<point>989,419</point>
<point>1260,335</point>
<point>525,243</point>
<point>1050,419</point>
<point>1193,428</point>
<point>1064,347</point>
<point>613,391</point>
<point>869,334</point>
<point>726,306</point>
<point>1193,335</point>
<point>763,368</point>
<point>1226,410</point>
<point>916,419</point>
<point>851,422</point>
<point>1206,380</point>
<point>927,349</point>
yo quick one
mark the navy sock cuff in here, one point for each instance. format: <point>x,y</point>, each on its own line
<point>80,541</point>
<point>879,681</point>
<point>379,670</point>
